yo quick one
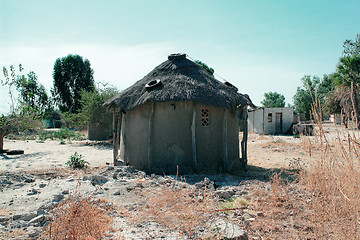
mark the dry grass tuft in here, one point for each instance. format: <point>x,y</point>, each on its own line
<point>333,180</point>
<point>79,217</point>
<point>333,183</point>
<point>179,208</point>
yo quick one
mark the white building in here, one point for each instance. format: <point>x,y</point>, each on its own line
<point>271,120</point>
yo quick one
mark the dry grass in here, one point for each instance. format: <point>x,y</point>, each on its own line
<point>277,210</point>
<point>324,202</point>
<point>181,208</point>
<point>79,217</point>
<point>333,180</point>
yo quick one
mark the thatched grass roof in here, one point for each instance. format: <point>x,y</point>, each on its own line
<point>179,79</point>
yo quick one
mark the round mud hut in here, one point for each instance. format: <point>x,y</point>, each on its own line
<point>180,118</point>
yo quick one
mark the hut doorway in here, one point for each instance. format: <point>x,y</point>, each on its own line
<point>278,123</point>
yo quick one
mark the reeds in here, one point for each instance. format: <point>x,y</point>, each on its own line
<point>333,182</point>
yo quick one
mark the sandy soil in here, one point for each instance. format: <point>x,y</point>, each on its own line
<point>33,183</point>
<point>263,151</point>
<point>51,154</point>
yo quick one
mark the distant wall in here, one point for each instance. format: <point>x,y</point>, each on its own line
<point>264,121</point>
<point>100,131</point>
<point>256,121</point>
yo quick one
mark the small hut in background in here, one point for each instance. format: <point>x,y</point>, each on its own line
<point>271,120</point>
<point>179,115</point>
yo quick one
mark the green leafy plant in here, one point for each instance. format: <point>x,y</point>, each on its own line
<point>205,66</point>
<point>61,134</point>
<point>76,161</point>
<point>234,203</point>
<point>296,136</point>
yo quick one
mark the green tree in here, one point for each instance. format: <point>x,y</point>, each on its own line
<point>71,76</point>
<point>92,111</point>
<point>352,48</point>
<point>313,90</point>
<point>92,104</point>
<point>15,123</point>
<point>18,119</point>
<point>273,100</point>
<point>205,66</point>
<point>347,81</point>
<point>33,96</point>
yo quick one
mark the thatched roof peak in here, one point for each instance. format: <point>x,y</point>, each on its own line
<point>179,79</point>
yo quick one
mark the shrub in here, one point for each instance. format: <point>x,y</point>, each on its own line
<point>296,136</point>
<point>235,203</point>
<point>63,133</point>
<point>79,217</point>
<point>77,161</point>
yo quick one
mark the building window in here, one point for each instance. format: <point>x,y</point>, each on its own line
<point>204,117</point>
<point>269,117</point>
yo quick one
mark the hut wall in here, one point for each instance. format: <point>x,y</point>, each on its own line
<point>100,131</point>
<point>159,136</point>
<point>171,142</point>
<point>233,151</point>
<point>134,137</point>
<point>209,139</point>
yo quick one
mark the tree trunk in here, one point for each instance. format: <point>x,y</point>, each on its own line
<point>2,135</point>
<point>355,104</point>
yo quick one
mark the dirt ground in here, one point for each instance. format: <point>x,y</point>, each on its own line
<point>33,183</point>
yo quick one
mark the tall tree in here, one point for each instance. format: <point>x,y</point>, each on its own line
<point>313,90</point>
<point>71,75</point>
<point>273,100</point>
<point>352,48</point>
<point>92,104</point>
<point>18,119</point>
<point>33,96</point>
<point>347,80</point>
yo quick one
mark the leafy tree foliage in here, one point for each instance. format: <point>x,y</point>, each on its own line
<point>273,100</point>
<point>313,90</point>
<point>33,96</point>
<point>19,119</point>
<point>352,48</point>
<point>345,97</point>
<point>15,123</point>
<point>92,111</point>
<point>205,66</point>
<point>92,104</point>
<point>347,81</point>
<point>337,92</point>
<point>71,75</point>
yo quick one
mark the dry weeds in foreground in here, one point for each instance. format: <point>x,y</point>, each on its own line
<point>334,184</point>
<point>78,218</point>
<point>178,207</point>
<point>325,201</point>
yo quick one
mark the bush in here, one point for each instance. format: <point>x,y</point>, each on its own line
<point>77,161</point>
<point>63,133</point>
<point>79,217</point>
<point>296,136</point>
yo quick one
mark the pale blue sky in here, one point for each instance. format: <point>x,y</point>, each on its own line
<point>259,46</point>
